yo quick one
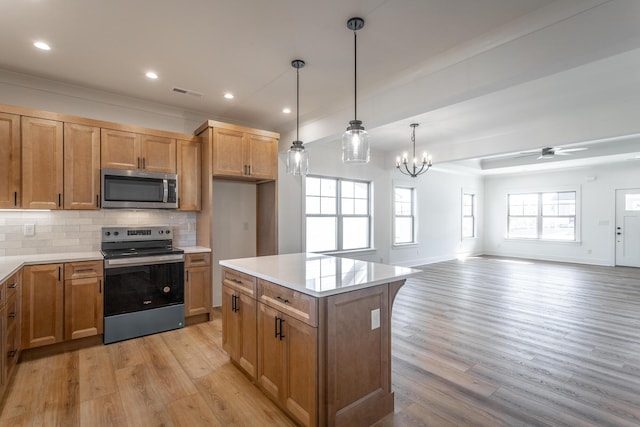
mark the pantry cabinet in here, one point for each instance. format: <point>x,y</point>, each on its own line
<point>42,163</point>
<point>129,150</point>
<point>42,305</point>
<point>237,153</point>
<point>239,320</point>
<point>197,287</point>
<point>83,299</point>
<point>189,175</point>
<point>9,161</point>
<point>81,166</point>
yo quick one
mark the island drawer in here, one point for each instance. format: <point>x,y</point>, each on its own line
<point>297,305</point>
<point>239,281</point>
<point>82,269</point>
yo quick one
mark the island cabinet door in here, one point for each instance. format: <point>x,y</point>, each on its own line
<point>287,363</point>
<point>239,329</point>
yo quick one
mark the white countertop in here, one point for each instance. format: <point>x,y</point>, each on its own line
<point>194,249</point>
<point>319,275</point>
<point>11,264</point>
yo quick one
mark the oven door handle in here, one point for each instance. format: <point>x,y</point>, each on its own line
<point>143,260</point>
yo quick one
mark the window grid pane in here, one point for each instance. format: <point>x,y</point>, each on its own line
<point>404,215</point>
<point>337,213</point>
<point>468,216</point>
<point>554,218</point>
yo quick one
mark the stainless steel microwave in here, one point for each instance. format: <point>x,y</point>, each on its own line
<point>134,189</point>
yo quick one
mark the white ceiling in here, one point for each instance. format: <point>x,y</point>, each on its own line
<point>483,77</point>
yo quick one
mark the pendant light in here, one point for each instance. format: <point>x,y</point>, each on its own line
<point>297,156</point>
<point>355,141</point>
<point>414,171</point>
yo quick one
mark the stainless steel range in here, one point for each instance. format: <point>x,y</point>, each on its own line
<point>143,282</point>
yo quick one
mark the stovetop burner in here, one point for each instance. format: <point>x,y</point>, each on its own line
<point>126,242</point>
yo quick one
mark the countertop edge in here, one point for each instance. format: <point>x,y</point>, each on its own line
<point>12,264</point>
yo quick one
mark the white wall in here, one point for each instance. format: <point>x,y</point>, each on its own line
<point>596,212</point>
<point>439,197</point>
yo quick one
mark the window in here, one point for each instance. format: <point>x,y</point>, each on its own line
<point>545,216</point>
<point>468,215</point>
<point>403,215</point>
<point>337,214</point>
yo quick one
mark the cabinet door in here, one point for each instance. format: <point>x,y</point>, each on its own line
<point>81,167</point>
<point>42,163</point>
<point>300,383</point>
<point>262,159</point>
<point>9,161</point>
<point>83,307</point>
<point>158,154</point>
<point>239,329</point>
<point>227,153</point>
<point>270,353</point>
<point>189,175</point>
<point>120,150</point>
<point>42,305</point>
<point>197,293</point>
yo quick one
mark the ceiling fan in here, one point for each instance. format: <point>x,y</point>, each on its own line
<point>551,152</point>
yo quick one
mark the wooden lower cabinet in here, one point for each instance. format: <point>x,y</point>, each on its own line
<point>287,352</point>
<point>42,305</point>
<point>83,299</point>
<point>61,302</point>
<point>239,329</point>
<point>197,286</point>
<point>10,291</point>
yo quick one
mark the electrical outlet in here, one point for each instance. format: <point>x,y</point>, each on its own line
<point>375,319</point>
<point>29,230</point>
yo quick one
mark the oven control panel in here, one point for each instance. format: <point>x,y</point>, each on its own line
<point>122,234</point>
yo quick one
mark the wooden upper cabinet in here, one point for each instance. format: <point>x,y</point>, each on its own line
<point>128,150</point>
<point>42,163</point>
<point>228,159</point>
<point>120,150</point>
<point>242,154</point>
<point>81,167</point>
<point>158,154</point>
<point>262,156</point>
<point>9,161</point>
<point>189,175</point>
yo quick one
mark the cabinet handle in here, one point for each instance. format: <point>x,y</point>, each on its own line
<point>12,286</point>
<point>99,286</point>
<point>138,162</point>
<point>187,276</point>
<point>286,301</point>
<point>281,320</point>
<point>249,169</point>
<point>276,326</point>
<point>59,199</point>
<point>59,273</point>
<point>12,314</point>
<point>97,201</point>
<point>15,198</point>
<point>12,353</point>
<point>144,163</point>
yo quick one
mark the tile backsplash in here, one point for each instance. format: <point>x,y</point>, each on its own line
<point>79,231</point>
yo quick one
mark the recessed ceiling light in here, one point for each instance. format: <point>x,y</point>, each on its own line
<point>286,110</point>
<point>42,45</point>
<point>228,95</point>
<point>151,75</point>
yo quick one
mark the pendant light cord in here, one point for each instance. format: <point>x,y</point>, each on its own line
<point>297,104</point>
<point>355,75</point>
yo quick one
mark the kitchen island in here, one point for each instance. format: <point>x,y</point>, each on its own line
<point>314,333</point>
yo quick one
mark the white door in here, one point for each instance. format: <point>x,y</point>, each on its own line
<point>628,227</point>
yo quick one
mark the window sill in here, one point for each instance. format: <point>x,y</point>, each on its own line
<point>404,245</point>
<point>542,241</point>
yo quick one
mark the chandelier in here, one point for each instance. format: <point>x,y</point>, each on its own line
<point>415,169</point>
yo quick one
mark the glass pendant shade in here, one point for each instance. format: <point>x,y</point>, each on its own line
<point>297,160</point>
<point>355,144</point>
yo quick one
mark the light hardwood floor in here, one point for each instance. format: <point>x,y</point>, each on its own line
<point>481,342</point>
